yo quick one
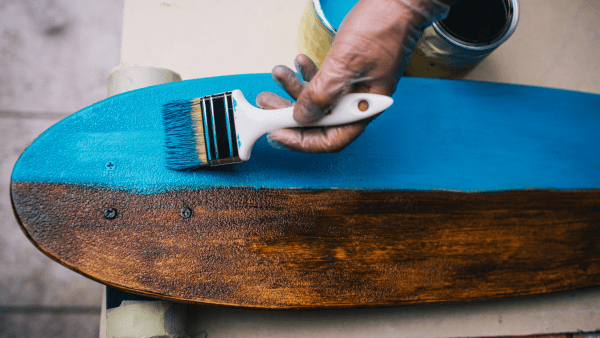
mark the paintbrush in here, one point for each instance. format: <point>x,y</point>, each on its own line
<point>222,128</point>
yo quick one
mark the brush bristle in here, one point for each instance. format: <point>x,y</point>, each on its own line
<point>184,135</point>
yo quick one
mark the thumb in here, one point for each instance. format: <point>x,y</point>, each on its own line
<point>322,92</point>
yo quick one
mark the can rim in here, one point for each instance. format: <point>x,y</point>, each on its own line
<point>482,46</point>
<point>321,15</point>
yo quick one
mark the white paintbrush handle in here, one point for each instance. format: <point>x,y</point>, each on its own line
<point>252,122</point>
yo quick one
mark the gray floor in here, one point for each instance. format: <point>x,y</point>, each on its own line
<point>55,56</point>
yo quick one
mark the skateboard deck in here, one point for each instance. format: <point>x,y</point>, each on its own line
<point>460,191</point>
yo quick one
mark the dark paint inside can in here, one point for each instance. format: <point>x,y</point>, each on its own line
<point>477,21</point>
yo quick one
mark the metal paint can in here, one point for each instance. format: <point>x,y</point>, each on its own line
<point>472,30</point>
<point>315,33</point>
<point>447,48</point>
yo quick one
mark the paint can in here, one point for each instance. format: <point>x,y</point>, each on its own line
<point>448,48</point>
<point>472,30</point>
<point>315,32</point>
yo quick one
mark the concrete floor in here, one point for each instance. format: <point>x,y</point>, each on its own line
<point>55,57</point>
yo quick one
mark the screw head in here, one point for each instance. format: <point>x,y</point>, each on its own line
<point>110,213</point>
<point>185,213</point>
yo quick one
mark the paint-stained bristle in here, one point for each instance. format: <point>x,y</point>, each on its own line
<point>198,121</point>
<point>184,135</point>
<point>201,132</point>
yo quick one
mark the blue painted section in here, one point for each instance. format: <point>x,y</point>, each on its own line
<point>439,134</point>
<point>336,10</point>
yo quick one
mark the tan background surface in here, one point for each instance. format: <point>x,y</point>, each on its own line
<point>556,44</point>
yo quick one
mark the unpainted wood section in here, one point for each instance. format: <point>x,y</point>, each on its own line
<point>288,248</point>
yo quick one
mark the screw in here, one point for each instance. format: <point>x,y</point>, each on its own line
<point>185,213</point>
<point>110,213</point>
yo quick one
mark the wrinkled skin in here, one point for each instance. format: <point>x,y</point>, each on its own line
<point>369,54</point>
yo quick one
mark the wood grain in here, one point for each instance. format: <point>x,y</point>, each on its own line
<point>286,248</point>
<point>555,335</point>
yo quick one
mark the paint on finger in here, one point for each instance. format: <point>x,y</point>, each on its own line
<point>276,144</point>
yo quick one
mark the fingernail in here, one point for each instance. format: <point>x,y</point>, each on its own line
<point>276,144</point>
<point>258,101</point>
<point>277,81</point>
<point>298,68</point>
<point>282,71</point>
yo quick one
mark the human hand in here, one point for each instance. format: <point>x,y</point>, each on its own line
<point>309,139</point>
<point>368,54</point>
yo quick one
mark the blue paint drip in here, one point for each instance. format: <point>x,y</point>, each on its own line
<point>439,134</point>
